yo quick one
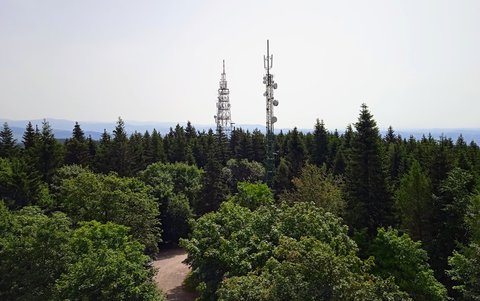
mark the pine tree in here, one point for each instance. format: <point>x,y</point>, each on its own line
<point>120,159</point>
<point>76,148</point>
<point>103,159</point>
<point>48,152</point>
<point>29,136</point>
<point>8,145</point>
<point>320,144</point>
<point>135,153</point>
<point>258,146</point>
<point>215,187</point>
<point>157,147</point>
<point>369,204</point>
<point>296,154</point>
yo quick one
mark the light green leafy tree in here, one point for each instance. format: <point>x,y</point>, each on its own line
<point>400,257</point>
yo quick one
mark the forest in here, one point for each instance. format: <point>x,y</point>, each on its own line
<point>350,215</point>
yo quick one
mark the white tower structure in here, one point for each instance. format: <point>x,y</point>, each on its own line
<point>223,117</point>
<point>270,85</point>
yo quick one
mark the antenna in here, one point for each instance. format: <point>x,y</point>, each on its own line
<point>270,85</point>
<point>223,117</point>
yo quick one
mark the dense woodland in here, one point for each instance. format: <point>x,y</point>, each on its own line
<point>350,215</point>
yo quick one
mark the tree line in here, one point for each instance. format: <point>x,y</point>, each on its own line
<point>350,216</point>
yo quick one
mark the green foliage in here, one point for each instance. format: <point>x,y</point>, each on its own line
<point>243,171</point>
<point>465,263</point>
<point>297,252</point>
<point>399,256</point>
<point>316,184</point>
<point>126,201</point>
<point>414,203</point>
<point>252,195</point>
<point>109,265</point>
<point>34,252</point>
<point>8,146</point>
<point>20,185</point>
<point>369,203</point>
<point>309,269</point>
<point>42,258</point>
<point>177,219</point>
<point>177,186</point>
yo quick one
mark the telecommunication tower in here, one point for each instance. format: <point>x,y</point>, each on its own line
<point>270,85</point>
<point>223,117</point>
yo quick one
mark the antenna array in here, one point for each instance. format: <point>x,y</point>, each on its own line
<point>223,117</point>
<point>270,85</point>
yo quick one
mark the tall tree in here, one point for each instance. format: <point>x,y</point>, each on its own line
<point>320,144</point>
<point>296,152</point>
<point>8,145</point>
<point>49,152</point>
<point>103,159</point>
<point>120,159</point>
<point>29,136</point>
<point>369,204</point>
<point>76,148</point>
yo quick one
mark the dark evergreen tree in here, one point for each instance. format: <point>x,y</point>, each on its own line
<point>369,203</point>
<point>103,160</point>
<point>157,147</point>
<point>29,136</point>
<point>215,187</point>
<point>296,153</point>
<point>76,148</point>
<point>49,152</point>
<point>135,153</point>
<point>320,144</point>
<point>8,145</point>
<point>119,151</point>
<point>258,146</point>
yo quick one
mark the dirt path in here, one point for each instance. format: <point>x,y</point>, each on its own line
<point>171,273</point>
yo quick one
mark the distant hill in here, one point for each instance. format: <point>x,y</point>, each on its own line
<point>63,129</point>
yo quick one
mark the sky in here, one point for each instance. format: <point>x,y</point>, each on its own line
<point>415,63</point>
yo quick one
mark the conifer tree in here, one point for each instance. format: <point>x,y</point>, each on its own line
<point>103,159</point>
<point>135,153</point>
<point>258,146</point>
<point>8,145</point>
<point>320,144</point>
<point>369,204</point>
<point>215,187</point>
<point>76,148</point>
<point>119,151</point>
<point>49,152</point>
<point>282,180</point>
<point>296,152</point>
<point>157,147</point>
<point>29,136</point>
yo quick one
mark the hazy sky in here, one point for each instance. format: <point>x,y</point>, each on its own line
<point>416,63</point>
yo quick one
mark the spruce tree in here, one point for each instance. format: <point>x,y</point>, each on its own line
<point>320,144</point>
<point>157,147</point>
<point>8,145</point>
<point>76,148</point>
<point>29,136</point>
<point>369,203</point>
<point>296,154</point>
<point>258,146</point>
<point>120,159</point>
<point>103,159</point>
<point>215,187</point>
<point>49,152</point>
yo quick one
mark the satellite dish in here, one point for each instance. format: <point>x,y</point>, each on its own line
<point>275,102</point>
<point>274,119</point>
<point>275,85</point>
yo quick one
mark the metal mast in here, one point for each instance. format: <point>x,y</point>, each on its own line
<point>223,117</point>
<point>270,85</point>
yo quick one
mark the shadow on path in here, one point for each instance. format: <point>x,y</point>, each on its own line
<point>171,273</point>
